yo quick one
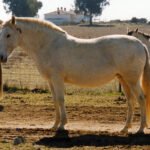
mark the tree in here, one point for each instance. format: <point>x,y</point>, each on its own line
<point>22,8</point>
<point>138,20</point>
<point>90,7</point>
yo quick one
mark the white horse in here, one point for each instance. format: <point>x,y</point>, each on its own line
<point>61,58</point>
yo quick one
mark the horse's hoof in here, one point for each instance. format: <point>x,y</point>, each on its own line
<point>124,131</point>
<point>140,131</point>
<point>54,128</point>
<point>61,128</point>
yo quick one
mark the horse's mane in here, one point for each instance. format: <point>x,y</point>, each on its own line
<point>36,23</point>
<point>147,36</point>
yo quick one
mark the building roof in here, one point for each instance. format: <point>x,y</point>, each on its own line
<point>61,12</point>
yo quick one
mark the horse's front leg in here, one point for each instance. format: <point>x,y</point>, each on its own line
<point>57,110</point>
<point>57,84</point>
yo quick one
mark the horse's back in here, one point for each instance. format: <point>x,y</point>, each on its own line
<point>98,60</point>
<point>107,49</point>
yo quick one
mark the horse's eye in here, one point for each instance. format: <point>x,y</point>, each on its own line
<point>8,35</point>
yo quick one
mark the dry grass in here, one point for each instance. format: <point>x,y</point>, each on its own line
<point>21,106</point>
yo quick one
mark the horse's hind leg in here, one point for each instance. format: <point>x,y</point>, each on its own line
<point>131,100</point>
<point>137,90</point>
<point>58,87</point>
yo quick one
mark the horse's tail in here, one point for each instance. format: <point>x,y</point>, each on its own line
<point>1,82</point>
<point>146,85</point>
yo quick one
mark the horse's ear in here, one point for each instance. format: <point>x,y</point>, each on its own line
<point>136,30</point>
<point>13,20</point>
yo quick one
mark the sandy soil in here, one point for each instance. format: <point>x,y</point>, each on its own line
<point>87,127</point>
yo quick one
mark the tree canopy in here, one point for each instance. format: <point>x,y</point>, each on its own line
<point>22,8</point>
<point>90,7</point>
<point>138,20</point>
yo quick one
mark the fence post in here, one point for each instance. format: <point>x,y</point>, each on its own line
<point>119,88</point>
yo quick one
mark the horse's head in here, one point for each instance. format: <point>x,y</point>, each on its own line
<point>10,36</point>
<point>132,32</point>
<point>140,35</point>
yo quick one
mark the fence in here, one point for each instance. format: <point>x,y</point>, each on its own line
<point>21,72</point>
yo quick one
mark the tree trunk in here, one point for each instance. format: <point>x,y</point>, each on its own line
<point>91,23</point>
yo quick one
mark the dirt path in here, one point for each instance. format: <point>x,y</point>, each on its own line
<point>85,118</point>
<point>88,126</point>
<point>90,135</point>
<point>91,126</point>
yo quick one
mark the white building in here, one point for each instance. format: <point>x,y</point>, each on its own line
<point>62,16</point>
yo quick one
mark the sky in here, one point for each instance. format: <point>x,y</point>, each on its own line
<point>118,9</point>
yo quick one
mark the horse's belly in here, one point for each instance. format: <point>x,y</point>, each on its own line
<point>89,81</point>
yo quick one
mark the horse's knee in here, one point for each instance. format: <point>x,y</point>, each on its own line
<point>141,99</point>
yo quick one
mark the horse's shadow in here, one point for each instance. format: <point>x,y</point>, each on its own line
<point>62,140</point>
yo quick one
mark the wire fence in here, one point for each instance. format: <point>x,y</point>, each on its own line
<point>21,72</point>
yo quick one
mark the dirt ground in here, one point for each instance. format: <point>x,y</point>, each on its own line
<point>29,116</point>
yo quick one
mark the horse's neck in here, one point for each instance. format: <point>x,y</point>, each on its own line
<point>145,41</point>
<point>34,40</point>
<point>148,45</point>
